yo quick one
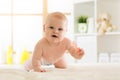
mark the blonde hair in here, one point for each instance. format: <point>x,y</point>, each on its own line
<point>57,15</point>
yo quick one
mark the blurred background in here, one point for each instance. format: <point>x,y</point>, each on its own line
<point>21,25</point>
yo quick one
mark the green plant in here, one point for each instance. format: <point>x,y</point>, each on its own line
<point>82,19</point>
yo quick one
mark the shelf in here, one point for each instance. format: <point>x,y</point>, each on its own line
<point>92,42</point>
<point>113,33</point>
<point>85,34</point>
<point>82,1</point>
<point>96,34</point>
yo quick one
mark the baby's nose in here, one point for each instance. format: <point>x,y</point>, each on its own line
<point>55,30</point>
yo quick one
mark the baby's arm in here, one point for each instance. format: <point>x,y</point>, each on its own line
<point>75,51</point>
<point>36,59</point>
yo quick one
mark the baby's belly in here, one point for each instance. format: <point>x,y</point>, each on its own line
<point>51,59</point>
<point>52,56</point>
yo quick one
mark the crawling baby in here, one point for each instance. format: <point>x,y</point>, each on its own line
<point>52,47</point>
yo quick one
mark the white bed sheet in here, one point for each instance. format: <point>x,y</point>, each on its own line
<point>74,72</point>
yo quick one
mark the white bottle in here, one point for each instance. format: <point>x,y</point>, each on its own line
<point>91,27</point>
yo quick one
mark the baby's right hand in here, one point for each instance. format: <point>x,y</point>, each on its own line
<point>39,70</point>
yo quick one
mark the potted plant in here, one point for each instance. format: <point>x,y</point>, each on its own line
<point>82,24</point>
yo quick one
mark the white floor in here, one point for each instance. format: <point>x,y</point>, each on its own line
<point>74,72</point>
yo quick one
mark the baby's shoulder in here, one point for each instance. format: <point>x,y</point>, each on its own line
<point>67,40</point>
<point>41,42</point>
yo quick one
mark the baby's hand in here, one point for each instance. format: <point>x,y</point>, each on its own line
<point>39,70</point>
<point>79,53</point>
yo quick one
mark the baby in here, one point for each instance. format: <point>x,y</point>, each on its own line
<point>52,47</point>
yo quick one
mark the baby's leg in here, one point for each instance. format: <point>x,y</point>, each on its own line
<point>61,63</point>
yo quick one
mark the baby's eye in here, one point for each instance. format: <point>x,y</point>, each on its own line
<point>60,29</point>
<point>51,27</point>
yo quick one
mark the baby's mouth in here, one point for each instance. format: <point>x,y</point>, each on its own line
<point>55,36</point>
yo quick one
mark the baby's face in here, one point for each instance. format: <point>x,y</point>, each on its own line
<point>55,29</point>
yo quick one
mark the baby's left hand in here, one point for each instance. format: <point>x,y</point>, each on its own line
<point>79,53</point>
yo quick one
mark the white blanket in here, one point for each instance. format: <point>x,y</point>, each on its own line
<point>74,72</point>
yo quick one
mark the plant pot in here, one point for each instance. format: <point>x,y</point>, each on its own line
<point>82,27</point>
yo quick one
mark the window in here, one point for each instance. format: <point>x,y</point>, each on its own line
<point>21,21</point>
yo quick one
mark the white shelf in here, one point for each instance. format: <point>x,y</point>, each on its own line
<point>94,43</point>
<point>95,34</point>
<point>112,33</point>
<point>85,34</point>
<point>82,1</point>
